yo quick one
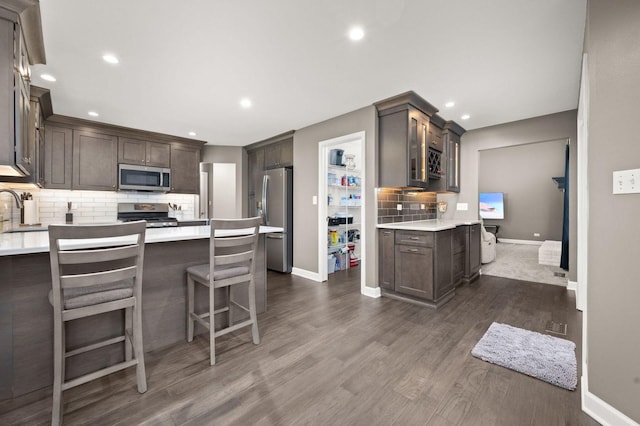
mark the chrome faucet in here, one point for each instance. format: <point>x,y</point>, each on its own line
<point>15,195</point>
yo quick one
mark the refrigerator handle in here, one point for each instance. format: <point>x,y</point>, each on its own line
<point>265,207</point>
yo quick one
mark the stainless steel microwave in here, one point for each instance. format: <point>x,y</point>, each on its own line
<point>143,178</point>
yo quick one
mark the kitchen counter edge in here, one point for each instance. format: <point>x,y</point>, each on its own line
<point>38,241</point>
<point>428,225</point>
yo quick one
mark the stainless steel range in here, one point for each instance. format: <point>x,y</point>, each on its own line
<point>156,214</point>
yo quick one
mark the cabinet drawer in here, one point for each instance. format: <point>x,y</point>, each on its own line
<point>414,250</point>
<point>435,138</point>
<point>415,238</point>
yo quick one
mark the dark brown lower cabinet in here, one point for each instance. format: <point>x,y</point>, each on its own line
<point>386,264</point>
<point>414,271</point>
<point>472,253</point>
<point>442,277</point>
<point>416,266</point>
<point>458,245</point>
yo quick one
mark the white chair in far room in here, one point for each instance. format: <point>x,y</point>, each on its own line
<point>488,246</point>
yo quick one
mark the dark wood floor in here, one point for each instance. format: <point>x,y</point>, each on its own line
<point>330,356</point>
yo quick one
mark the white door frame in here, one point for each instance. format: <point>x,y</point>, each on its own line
<point>323,154</point>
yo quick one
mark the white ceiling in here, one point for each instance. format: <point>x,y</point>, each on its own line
<point>185,65</point>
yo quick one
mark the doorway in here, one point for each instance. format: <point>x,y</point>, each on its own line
<point>341,205</point>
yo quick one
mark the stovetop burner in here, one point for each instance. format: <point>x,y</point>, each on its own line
<point>156,214</point>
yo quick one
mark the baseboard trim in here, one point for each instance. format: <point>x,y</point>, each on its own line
<point>371,291</point>
<point>530,242</point>
<point>600,411</point>
<point>572,285</point>
<point>299,272</point>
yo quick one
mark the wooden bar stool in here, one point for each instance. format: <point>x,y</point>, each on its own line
<point>93,273</point>
<point>232,252</point>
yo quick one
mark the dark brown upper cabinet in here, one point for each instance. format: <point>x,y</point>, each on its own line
<point>278,154</point>
<point>14,96</point>
<point>451,138</point>
<point>83,154</point>
<point>268,154</point>
<point>58,154</point>
<point>435,133</point>
<point>95,161</point>
<point>185,168</point>
<point>17,53</point>
<point>147,153</point>
<point>403,141</point>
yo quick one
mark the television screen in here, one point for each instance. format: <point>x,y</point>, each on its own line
<point>491,205</point>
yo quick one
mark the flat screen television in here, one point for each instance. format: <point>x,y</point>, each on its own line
<point>491,205</point>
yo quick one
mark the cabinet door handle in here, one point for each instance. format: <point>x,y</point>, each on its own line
<point>414,238</point>
<point>413,250</point>
<point>387,232</point>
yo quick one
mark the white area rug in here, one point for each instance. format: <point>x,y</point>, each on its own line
<point>538,355</point>
<point>520,262</point>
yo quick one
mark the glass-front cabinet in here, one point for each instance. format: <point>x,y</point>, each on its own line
<point>344,201</point>
<point>451,135</point>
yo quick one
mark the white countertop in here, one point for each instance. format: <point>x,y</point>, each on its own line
<point>428,225</point>
<point>38,241</point>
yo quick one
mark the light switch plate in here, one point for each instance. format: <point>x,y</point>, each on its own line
<point>462,206</point>
<point>626,181</point>
<point>314,200</point>
<point>399,207</point>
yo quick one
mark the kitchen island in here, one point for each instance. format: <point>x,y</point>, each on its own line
<point>422,262</point>
<point>26,323</point>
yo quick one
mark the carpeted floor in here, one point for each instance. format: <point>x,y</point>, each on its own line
<point>520,262</point>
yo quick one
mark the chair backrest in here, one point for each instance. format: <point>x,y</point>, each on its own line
<point>89,255</point>
<point>234,242</point>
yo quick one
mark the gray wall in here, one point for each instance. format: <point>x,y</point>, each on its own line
<point>305,178</point>
<point>533,202</point>
<point>613,290</point>
<point>230,154</point>
<point>546,128</point>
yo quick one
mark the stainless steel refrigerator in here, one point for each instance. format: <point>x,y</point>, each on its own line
<point>276,209</point>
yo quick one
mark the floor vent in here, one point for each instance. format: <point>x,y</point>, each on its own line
<point>559,274</point>
<point>556,328</point>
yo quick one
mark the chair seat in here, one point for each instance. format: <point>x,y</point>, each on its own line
<point>202,272</point>
<point>80,297</point>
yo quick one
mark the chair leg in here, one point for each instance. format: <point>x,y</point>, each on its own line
<point>212,325</point>
<point>190,310</point>
<point>128,327</point>
<point>139,348</point>
<point>252,312</point>
<point>58,369</point>
<point>231,306</point>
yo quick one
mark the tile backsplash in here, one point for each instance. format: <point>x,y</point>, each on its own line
<point>412,202</point>
<point>88,206</point>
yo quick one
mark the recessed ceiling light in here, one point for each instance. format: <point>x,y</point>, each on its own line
<point>93,113</point>
<point>465,117</point>
<point>48,77</point>
<point>450,104</point>
<point>192,133</point>
<point>246,103</point>
<point>356,33</point>
<point>110,59</point>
